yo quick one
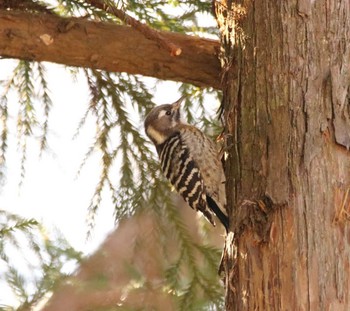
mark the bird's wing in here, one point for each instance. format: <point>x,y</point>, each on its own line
<point>204,153</point>
<point>184,174</point>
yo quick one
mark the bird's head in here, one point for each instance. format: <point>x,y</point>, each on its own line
<point>162,121</point>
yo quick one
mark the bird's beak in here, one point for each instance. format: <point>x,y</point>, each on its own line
<point>178,103</point>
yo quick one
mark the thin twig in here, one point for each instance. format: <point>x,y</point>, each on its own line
<point>148,32</point>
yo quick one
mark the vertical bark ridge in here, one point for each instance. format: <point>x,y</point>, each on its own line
<point>287,111</point>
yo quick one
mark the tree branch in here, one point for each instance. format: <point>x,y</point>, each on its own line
<point>98,45</point>
<point>148,32</point>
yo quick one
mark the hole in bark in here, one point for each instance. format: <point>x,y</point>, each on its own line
<point>255,215</point>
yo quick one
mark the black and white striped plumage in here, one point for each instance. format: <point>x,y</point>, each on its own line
<point>189,160</point>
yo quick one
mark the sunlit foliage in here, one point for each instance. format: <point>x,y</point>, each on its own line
<point>39,260</point>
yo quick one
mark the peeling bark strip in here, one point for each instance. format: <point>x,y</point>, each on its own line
<point>286,82</point>
<point>340,79</point>
<point>98,45</point>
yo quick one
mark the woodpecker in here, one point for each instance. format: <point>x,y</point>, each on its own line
<point>189,160</point>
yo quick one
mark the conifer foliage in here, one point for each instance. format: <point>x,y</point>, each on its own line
<point>129,169</point>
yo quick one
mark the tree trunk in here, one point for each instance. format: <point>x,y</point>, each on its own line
<point>286,103</point>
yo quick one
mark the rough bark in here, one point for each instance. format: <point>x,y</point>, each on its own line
<point>99,45</point>
<point>286,107</point>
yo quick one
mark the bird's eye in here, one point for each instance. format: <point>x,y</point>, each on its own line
<point>168,112</point>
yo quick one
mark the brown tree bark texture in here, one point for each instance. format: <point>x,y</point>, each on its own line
<point>99,45</point>
<point>286,103</point>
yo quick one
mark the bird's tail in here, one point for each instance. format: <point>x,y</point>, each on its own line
<point>218,212</point>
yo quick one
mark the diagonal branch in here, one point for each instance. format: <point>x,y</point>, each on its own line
<point>148,32</point>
